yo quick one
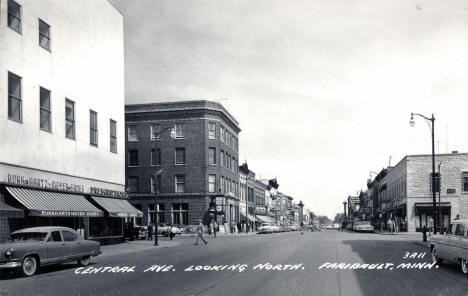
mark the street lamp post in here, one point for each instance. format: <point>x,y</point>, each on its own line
<point>431,120</point>
<point>157,135</point>
<point>439,187</point>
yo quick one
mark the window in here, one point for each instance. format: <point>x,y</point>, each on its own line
<point>226,137</point>
<point>133,184</point>
<point>460,230</point>
<point>14,16</point>
<point>222,158</point>
<point>180,183</point>
<point>221,134</point>
<point>221,185</point>
<point>180,156</point>
<point>179,130</point>
<point>132,134</point>
<point>158,156</point>
<point>14,97</point>
<point>180,213</point>
<point>93,128</point>
<point>113,136</point>
<point>68,236</point>
<point>212,183</point>
<point>465,181</point>
<point>55,235</point>
<point>44,109</point>
<point>211,130</point>
<point>161,210</point>
<point>152,184</point>
<point>44,35</point>
<point>155,131</point>
<point>153,157</point>
<point>133,158</point>
<point>69,119</point>
<point>212,155</point>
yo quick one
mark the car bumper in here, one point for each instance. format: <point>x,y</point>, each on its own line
<point>10,264</point>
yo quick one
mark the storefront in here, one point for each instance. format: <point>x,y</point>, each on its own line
<point>424,215</point>
<point>29,198</point>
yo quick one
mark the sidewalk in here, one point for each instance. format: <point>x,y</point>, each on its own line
<point>136,245</point>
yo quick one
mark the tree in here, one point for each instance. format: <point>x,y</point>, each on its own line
<point>338,218</point>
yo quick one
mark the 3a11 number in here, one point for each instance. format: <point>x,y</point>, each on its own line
<point>414,255</point>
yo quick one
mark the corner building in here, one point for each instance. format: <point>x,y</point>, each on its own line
<point>194,170</point>
<point>61,117</point>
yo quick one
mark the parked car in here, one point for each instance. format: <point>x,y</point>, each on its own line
<point>163,229</point>
<point>363,226</point>
<point>452,245</point>
<point>265,228</point>
<point>34,247</point>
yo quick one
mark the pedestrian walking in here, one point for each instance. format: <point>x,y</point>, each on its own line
<point>233,226</point>
<point>200,232</point>
<point>302,227</point>
<point>210,227</point>
<point>170,232</point>
<point>150,232</point>
<point>215,228</point>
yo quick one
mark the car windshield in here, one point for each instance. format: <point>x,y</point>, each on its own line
<point>28,236</point>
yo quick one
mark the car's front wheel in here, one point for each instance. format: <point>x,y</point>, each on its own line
<point>435,256</point>
<point>464,266</point>
<point>29,266</point>
<point>84,261</point>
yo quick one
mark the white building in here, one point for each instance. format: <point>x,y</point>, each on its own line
<point>62,115</point>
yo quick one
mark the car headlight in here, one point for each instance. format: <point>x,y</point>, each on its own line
<point>9,252</point>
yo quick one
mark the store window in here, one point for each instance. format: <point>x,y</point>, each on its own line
<point>180,213</point>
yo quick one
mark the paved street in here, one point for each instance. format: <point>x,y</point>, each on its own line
<point>311,250</point>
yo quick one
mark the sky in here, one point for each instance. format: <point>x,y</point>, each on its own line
<point>323,90</point>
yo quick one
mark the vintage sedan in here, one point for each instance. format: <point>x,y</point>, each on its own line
<point>33,247</point>
<point>452,245</point>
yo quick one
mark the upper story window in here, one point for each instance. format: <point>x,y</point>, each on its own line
<point>180,183</point>
<point>212,155</point>
<point>221,133</point>
<point>132,133</point>
<point>44,35</point>
<point>133,184</point>
<point>221,157</point>
<point>14,16</point>
<point>14,98</point>
<point>44,109</point>
<point>465,181</point>
<point>155,131</point>
<point>211,130</point>
<point>180,130</point>
<point>113,136</point>
<point>226,137</point>
<point>69,119</point>
<point>180,156</point>
<point>93,128</point>
<point>133,158</point>
<point>211,183</point>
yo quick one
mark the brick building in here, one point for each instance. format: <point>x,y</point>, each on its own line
<point>405,191</point>
<point>194,147</point>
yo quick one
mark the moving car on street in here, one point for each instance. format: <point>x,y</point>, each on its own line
<point>34,247</point>
<point>452,245</point>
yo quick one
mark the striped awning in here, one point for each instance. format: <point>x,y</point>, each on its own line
<point>251,218</point>
<point>117,207</point>
<point>265,219</point>
<point>10,212</point>
<point>54,204</point>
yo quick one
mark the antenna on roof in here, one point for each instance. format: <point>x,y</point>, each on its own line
<point>389,160</point>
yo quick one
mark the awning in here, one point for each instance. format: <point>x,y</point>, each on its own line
<point>251,218</point>
<point>54,204</point>
<point>117,207</point>
<point>10,212</point>
<point>265,219</point>
<point>427,207</point>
